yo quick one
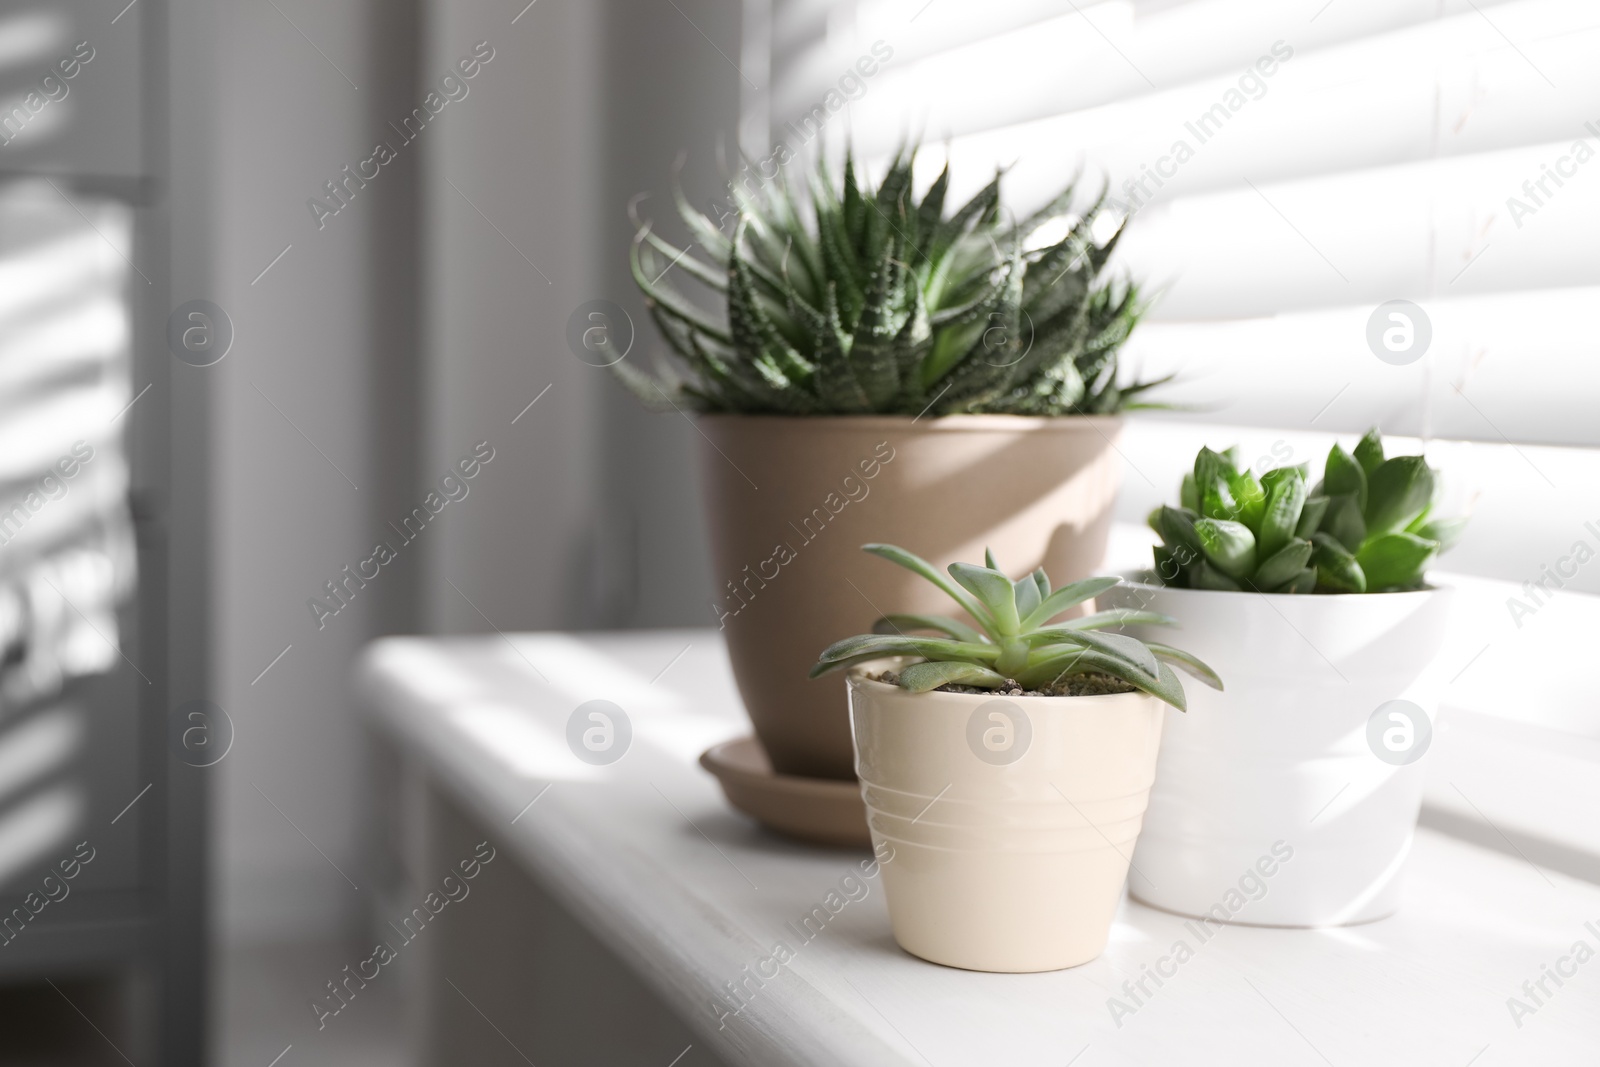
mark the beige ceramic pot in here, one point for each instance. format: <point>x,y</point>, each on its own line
<point>790,502</point>
<point>1010,821</point>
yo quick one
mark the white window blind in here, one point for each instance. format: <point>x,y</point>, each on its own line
<point>1337,154</point>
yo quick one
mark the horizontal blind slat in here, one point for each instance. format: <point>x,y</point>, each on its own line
<point>1077,59</point>
<point>1440,228</point>
<point>1309,117</point>
<point>1486,376</point>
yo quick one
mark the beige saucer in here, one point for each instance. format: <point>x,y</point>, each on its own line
<point>822,811</point>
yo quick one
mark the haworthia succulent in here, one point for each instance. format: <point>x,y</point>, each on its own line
<point>868,300</point>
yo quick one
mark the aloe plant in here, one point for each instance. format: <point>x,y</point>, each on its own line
<point>1014,644</point>
<point>1366,527</point>
<point>866,300</point>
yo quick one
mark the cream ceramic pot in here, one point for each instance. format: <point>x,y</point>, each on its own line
<point>1307,746</point>
<point>1006,824</point>
<point>790,502</point>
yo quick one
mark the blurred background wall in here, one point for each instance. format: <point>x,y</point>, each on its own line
<point>378,351</point>
<point>295,461</point>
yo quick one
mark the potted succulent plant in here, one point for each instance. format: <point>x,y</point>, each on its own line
<point>879,356</point>
<point>1006,763</point>
<point>1313,600</point>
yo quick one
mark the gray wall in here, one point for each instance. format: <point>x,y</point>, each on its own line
<point>587,517</point>
<point>511,247</point>
<point>655,570</point>
<point>415,323</point>
<point>297,464</point>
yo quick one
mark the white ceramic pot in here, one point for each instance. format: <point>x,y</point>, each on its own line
<point>1009,822</point>
<point>1294,755</point>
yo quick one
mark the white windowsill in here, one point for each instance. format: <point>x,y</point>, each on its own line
<point>649,857</point>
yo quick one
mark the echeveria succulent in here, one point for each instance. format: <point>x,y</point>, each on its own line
<point>1014,641</point>
<point>1366,527</point>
